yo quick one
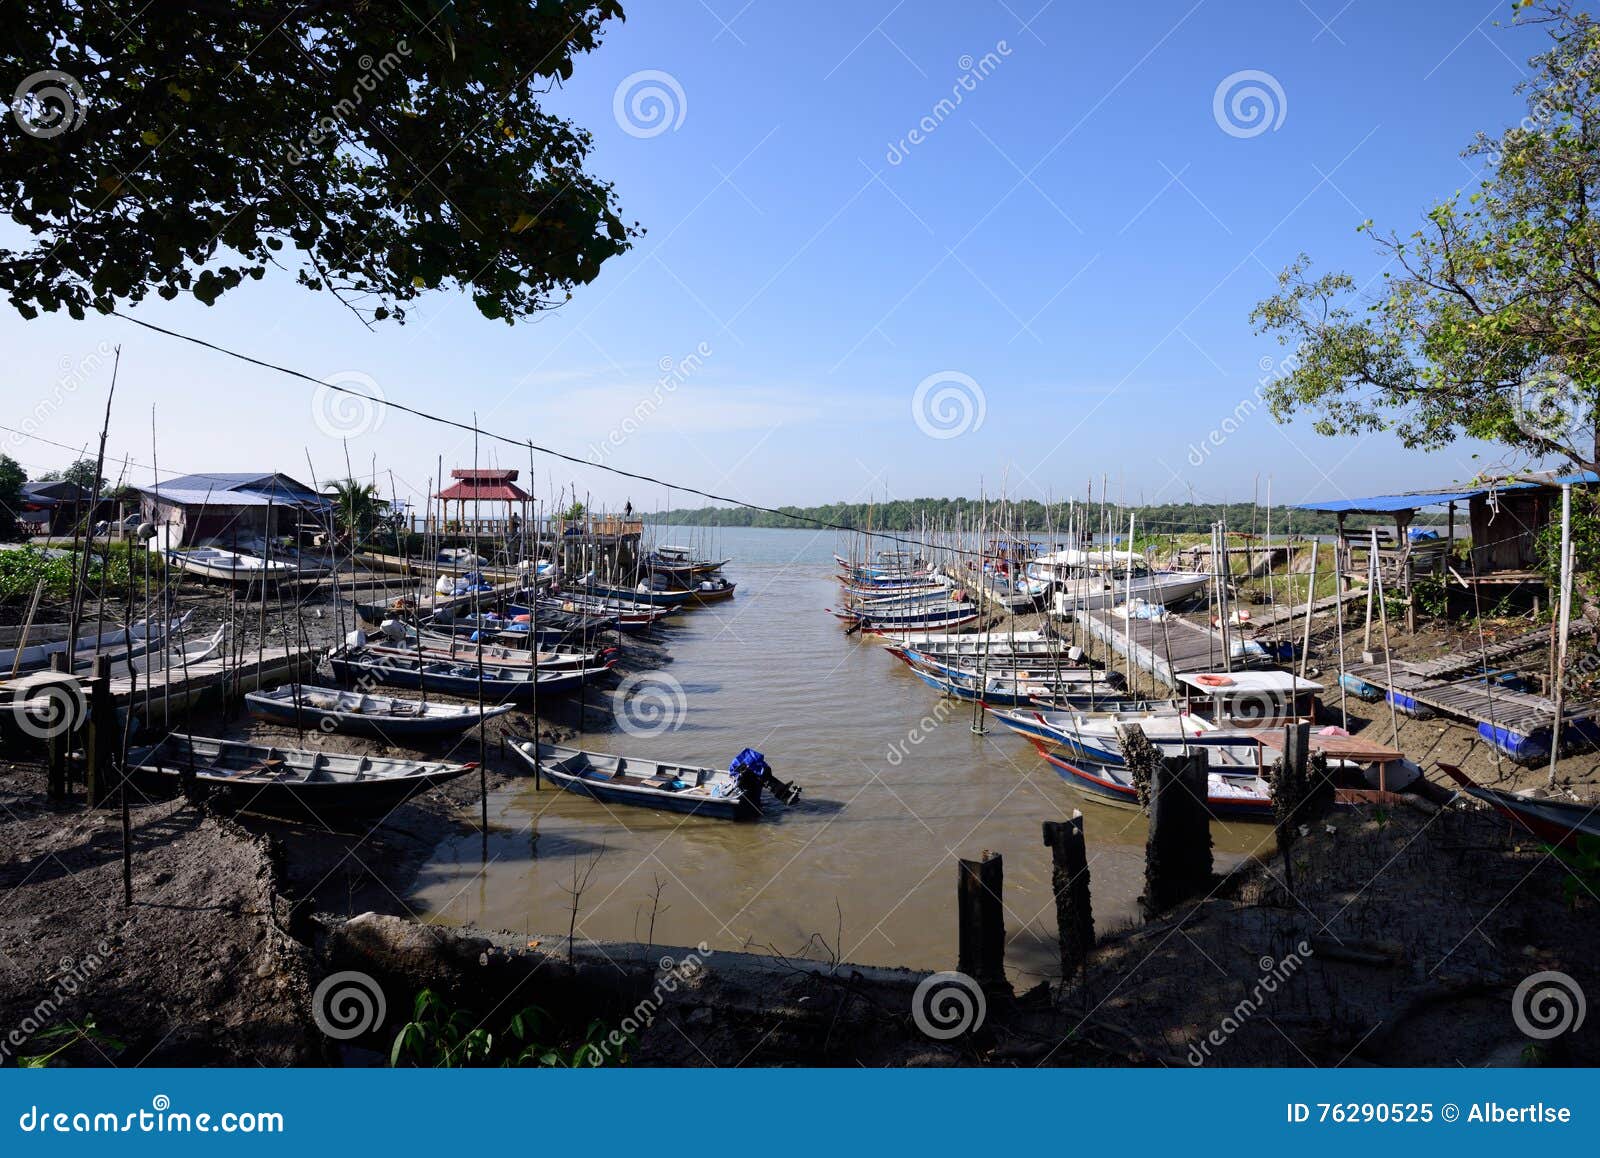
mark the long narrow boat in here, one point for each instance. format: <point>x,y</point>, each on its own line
<point>116,643</point>
<point>359,714</point>
<point>1228,797</point>
<point>732,795</point>
<point>160,659</point>
<point>291,781</point>
<point>1558,822</point>
<point>500,684</point>
<point>646,595</point>
<point>1099,692</point>
<point>229,566</point>
<point>496,655</point>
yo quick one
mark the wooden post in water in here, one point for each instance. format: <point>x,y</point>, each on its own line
<point>1177,855</point>
<point>980,915</point>
<point>100,736</point>
<point>1069,881</point>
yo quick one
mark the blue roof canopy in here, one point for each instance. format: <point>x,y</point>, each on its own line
<point>1411,500</point>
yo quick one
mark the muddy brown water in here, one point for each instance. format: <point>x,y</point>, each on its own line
<point>896,789</point>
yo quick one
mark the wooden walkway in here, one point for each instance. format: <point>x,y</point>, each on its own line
<point>1464,661</point>
<point>1279,614</point>
<point>1498,711</point>
<point>155,696</point>
<point>1166,648</point>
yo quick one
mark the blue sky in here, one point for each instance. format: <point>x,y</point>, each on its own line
<point>1072,251</point>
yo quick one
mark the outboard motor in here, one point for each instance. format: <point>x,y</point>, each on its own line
<point>392,629</point>
<point>750,769</point>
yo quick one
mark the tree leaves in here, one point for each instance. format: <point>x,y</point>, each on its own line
<point>1490,329</point>
<point>356,145</point>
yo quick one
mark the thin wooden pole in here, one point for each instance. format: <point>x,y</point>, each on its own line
<point>1564,621</point>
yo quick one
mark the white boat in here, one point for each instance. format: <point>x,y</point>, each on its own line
<point>117,643</point>
<point>228,566</point>
<point>161,659</point>
<point>1089,580</point>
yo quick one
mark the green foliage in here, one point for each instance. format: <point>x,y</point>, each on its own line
<point>439,1037</point>
<point>355,506</point>
<point>1488,327</point>
<point>1585,528</point>
<point>1153,525</point>
<point>12,476</point>
<point>380,150</point>
<point>1582,861</point>
<point>69,1035</point>
<point>81,473</point>
<point>22,568</point>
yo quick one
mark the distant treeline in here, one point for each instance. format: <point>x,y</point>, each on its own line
<point>1024,515</point>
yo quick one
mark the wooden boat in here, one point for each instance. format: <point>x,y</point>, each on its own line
<point>644,593</point>
<point>454,650</point>
<point>500,684</point>
<point>360,714</point>
<point>933,617</point>
<point>679,561</point>
<point>156,660</point>
<point>1557,822</point>
<point>1102,689</point>
<point>731,795</point>
<point>1247,796</point>
<point>292,781</point>
<point>116,643</point>
<point>228,566</point>
<point>713,590</point>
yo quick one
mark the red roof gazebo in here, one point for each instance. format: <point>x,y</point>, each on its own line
<point>482,486</point>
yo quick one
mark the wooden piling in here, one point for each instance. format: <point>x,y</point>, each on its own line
<point>59,744</point>
<point>1177,857</point>
<point>1069,881</point>
<point>100,734</point>
<point>980,914</point>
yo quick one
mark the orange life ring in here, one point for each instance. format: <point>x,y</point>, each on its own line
<point>1214,681</point>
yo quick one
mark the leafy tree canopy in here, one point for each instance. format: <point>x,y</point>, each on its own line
<point>12,476</point>
<point>81,473</point>
<point>379,150</point>
<point>1488,322</point>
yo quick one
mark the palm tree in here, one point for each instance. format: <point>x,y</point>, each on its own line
<point>355,506</point>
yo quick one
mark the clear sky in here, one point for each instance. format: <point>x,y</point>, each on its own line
<point>1069,252</point>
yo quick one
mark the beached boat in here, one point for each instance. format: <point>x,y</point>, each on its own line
<point>291,781</point>
<point>1557,822</point>
<point>732,795</point>
<point>116,643</point>
<point>499,683</point>
<point>1089,580</point>
<point>1245,796</point>
<point>161,658</point>
<point>454,649</point>
<point>228,566</point>
<point>360,714</point>
<point>1073,690</point>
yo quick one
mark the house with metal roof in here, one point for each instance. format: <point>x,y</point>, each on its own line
<point>1505,519</point>
<point>233,506</point>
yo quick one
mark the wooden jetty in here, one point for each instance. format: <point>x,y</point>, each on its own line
<point>1518,723</point>
<point>1166,648</point>
<point>156,695</point>
<point>1279,615</point>
<point>1464,661</point>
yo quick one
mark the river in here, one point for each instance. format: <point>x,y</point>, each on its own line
<point>864,867</point>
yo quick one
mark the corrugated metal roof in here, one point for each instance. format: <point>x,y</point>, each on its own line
<point>1411,500</point>
<point>237,489</point>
